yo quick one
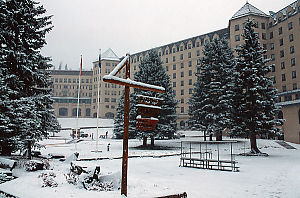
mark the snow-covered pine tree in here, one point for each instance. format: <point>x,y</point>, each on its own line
<point>152,72</point>
<point>26,107</point>
<point>254,103</point>
<point>210,103</point>
<point>119,118</point>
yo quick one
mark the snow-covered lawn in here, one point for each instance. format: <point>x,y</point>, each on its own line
<point>273,176</point>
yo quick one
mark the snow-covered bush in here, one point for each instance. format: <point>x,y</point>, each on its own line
<point>72,178</point>
<point>34,165</point>
<point>48,179</point>
<point>96,185</point>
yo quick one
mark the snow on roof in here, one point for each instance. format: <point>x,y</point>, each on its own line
<point>248,9</point>
<point>109,55</point>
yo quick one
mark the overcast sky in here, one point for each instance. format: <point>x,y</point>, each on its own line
<point>82,27</point>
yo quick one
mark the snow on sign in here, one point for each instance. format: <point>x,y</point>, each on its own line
<point>148,111</point>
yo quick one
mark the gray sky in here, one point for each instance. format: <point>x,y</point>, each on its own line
<point>82,27</point>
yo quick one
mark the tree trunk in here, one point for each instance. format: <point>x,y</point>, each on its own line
<point>152,141</point>
<point>253,144</point>
<point>29,150</point>
<point>144,141</point>
<point>204,135</point>
<point>210,137</point>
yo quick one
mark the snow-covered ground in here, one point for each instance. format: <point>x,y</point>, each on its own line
<point>151,176</point>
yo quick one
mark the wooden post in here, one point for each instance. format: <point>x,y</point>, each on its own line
<point>125,135</point>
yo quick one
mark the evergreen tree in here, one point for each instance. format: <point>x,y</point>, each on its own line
<point>119,118</point>
<point>152,72</point>
<point>210,103</point>
<point>254,103</point>
<point>26,107</point>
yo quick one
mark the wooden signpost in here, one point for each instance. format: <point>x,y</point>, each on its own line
<point>112,78</point>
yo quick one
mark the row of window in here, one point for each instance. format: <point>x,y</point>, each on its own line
<point>176,49</point>
<point>182,91</point>
<point>182,83</point>
<point>64,112</point>
<point>69,80</point>
<point>74,94</point>
<point>72,100</point>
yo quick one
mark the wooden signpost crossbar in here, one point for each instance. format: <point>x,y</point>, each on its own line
<point>112,78</point>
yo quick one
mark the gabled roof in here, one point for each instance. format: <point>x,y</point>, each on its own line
<point>109,55</point>
<point>247,10</point>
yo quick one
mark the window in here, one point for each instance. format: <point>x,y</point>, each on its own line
<point>167,52</point>
<point>189,46</point>
<point>174,67</point>
<point>288,98</point>
<point>264,46</point>
<point>113,99</point>
<point>182,91</point>
<point>88,112</point>
<point>198,52</point>
<point>272,46</point>
<point>190,73</point>
<point>198,44</point>
<point>174,50</point>
<point>273,68</point>
<point>292,49</point>
<point>263,36</point>
<point>297,96</point>
<point>290,25</point>
<point>265,57</point>
<point>56,80</point>
<point>190,90</point>
<point>282,65</point>
<point>174,84</point>
<point>283,77</point>
<point>236,27</point>
<point>198,61</point>
<point>190,81</point>
<point>237,38</point>
<point>280,115</point>
<point>181,48</point>
<point>271,35</point>
<point>272,57</point>
<point>281,42</point>
<point>299,116</point>
<point>174,75</point>
<point>167,60</point>
<point>283,88</point>
<point>190,63</point>
<point>294,74</point>
<point>181,56</point>
<point>274,79</point>
<point>280,30</point>
<point>167,68</point>
<point>291,37</point>
<point>74,112</point>
<point>281,53</point>
<point>189,55</point>
<point>263,26</point>
<point>181,65</point>
<point>63,112</point>
<point>182,74</point>
<point>293,62</point>
<point>294,86</point>
<point>174,58</point>
<point>182,109</point>
<point>182,100</point>
<point>182,83</point>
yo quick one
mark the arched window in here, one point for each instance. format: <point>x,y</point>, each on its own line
<point>63,112</point>
<point>88,112</point>
<point>109,115</point>
<point>74,112</point>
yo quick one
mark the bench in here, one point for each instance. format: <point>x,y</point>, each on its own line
<point>6,167</point>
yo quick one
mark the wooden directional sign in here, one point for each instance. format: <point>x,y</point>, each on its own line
<point>146,124</point>
<point>148,112</point>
